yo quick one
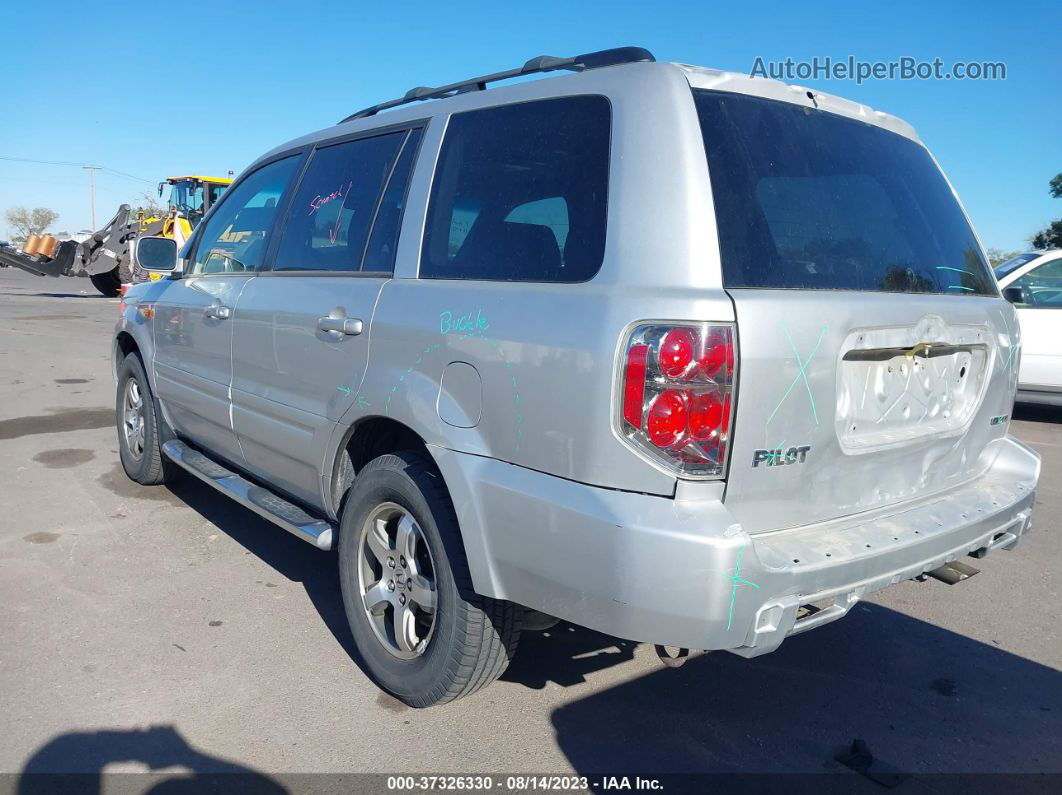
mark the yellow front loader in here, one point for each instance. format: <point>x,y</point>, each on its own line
<point>106,257</point>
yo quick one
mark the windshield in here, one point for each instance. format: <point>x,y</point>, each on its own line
<point>1014,263</point>
<point>187,197</point>
<point>811,200</point>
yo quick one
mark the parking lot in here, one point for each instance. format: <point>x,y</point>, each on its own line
<point>156,628</point>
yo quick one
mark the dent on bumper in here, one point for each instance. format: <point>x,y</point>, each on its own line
<point>684,573</point>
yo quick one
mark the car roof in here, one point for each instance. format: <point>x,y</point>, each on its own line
<point>635,76</point>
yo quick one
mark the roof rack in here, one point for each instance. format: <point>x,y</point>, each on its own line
<point>543,63</point>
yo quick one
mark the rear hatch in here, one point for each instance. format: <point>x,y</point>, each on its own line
<point>877,362</point>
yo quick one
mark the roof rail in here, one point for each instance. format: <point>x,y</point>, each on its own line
<point>542,63</point>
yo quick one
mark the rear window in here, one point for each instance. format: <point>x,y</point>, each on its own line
<point>807,199</point>
<point>520,193</point>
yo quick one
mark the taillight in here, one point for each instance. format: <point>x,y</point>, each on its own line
<point>668,420</point>
<point>677,389</point>
<point>634,384</point>
<point>706,415</point>
<point>676,352</point>
<point>718,354</point>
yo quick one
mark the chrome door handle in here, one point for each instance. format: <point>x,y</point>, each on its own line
<point>218,312</point>
<point>351,326</point>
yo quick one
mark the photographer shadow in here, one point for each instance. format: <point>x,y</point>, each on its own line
<point>75,762</point>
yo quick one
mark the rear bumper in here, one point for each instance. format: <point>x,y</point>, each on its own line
<point>684,573</point>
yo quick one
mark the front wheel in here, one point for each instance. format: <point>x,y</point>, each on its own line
<point>139,443</point>
<point>424,635</point>
<point>109,283</point>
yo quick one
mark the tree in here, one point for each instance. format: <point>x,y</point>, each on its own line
<point>29,222</point>
<point>997,256</point>
<point>1051,236</point>
<point>149,205</point>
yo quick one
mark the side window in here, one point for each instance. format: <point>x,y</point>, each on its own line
<point>1042,286</point>
<point>332,212</point>
<point>520,193</point>
<point>380,253</point>
<point>235,237</point>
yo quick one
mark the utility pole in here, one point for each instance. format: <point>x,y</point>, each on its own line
<point>92,191</point>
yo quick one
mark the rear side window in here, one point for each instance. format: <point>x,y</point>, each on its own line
<point>521,192</point>
<point>380,253</point>
<point>811,200</point>
<point>330,217</point>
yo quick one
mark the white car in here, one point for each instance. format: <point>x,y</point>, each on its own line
<point>1033,283</point>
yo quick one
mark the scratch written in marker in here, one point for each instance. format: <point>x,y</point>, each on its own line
<point>344,389</point>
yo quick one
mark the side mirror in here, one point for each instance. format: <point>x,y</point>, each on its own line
<point>156,253</point>
<point>1016,295</point>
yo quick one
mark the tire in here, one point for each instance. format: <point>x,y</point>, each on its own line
<point>109,283</point>
<point>142,462</point>
<point>471,639</point>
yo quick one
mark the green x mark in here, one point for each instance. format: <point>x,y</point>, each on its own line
<point>802,375</point>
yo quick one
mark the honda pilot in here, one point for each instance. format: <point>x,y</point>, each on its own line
<point>684,356</point>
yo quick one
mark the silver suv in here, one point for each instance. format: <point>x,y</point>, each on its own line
<point>680,355</point>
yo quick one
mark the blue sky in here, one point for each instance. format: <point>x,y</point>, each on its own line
<point>157,89</point>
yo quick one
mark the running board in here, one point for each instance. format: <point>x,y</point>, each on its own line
<point>260,500</point>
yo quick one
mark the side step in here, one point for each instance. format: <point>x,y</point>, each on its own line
<point>260,500</point>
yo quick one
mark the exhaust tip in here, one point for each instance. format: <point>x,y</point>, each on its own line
<point>953,573</point>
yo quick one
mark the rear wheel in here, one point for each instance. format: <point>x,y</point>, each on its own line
<point>139,443</point>
<point>109,283</point>
<point>424,635</point>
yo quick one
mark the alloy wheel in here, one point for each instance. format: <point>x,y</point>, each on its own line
<point>396,575</point>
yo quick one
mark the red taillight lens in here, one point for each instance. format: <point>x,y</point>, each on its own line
<point>706,415</point>
<point>634,384</point>
<point>676,352</point>
<point>667,420</point>
<point>718,356</point>
<point>677,387</point>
